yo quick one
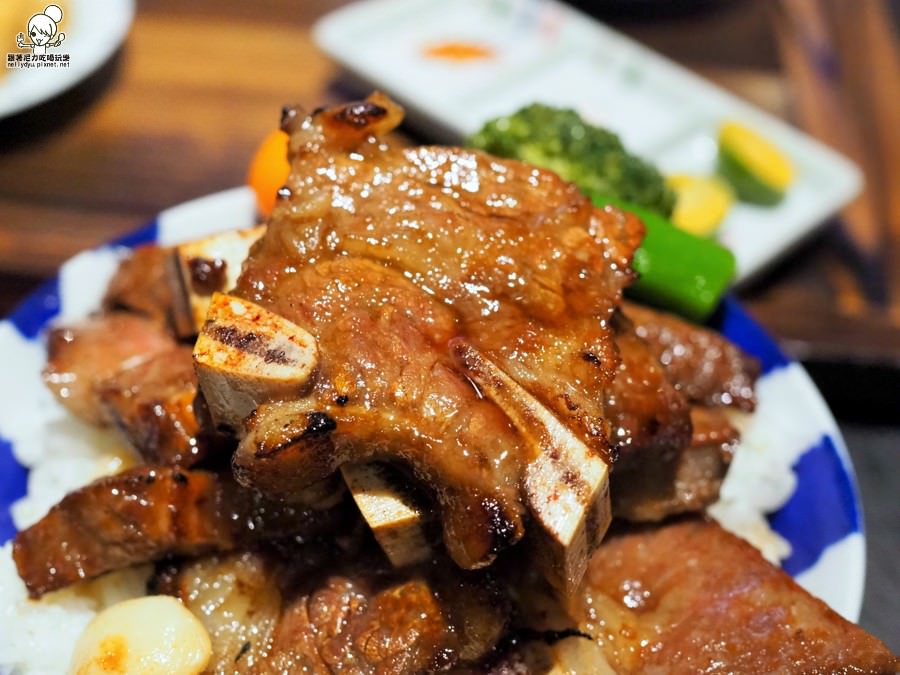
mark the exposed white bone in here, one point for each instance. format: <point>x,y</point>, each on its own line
<point>246,355</point>
<point>190,300</point>
<point>396,520</point>
<point>566,485</point>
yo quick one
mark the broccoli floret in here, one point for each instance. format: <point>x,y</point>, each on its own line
<point>591,157</point>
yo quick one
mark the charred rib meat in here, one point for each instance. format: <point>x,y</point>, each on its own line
<point>385,255</point>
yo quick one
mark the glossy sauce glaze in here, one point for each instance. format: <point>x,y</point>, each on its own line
<point>386,255</point>
<point>689,597</point>
<point>320,609</point>
<point>147,513</point>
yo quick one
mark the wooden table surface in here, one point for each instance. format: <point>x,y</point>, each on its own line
<point>178,111</point>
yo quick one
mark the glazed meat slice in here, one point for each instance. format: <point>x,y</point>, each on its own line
<point>141,285</point>
<point>152,403</point>
<point>686,484</point>
<point>387,256</point>
<point>81,356</point>
<point>651,431</point>
<point>527,264</point>
<point>649,418</point>
<point>689,597</point>
<point>145,514</point>
<point>384,390</point>
<point>274,613</point>
<point>706,367</point>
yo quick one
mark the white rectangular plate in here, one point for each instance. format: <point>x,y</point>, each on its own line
<point>544,51</point>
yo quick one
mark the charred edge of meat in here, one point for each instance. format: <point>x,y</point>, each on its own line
<point>291,118</point>
<point>503,532</point>
<point>247,342</point>
<point>360,113</point>
<point>207,276</point>
<point>591,357</point>
<point>319,423</point>
<point>317,428</point>
<point>518,637</point>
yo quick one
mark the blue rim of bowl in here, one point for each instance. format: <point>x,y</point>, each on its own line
<point>822,476</point>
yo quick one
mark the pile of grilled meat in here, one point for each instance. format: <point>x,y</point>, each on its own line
<point>441,334</point>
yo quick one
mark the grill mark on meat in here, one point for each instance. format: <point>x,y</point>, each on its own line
<point>207,275</point>
<point>250,342</point>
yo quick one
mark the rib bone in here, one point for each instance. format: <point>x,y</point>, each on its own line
<point>246,355</point>
<point>233,392</point>
<point>200,268</point>
<point>567,486</point>
<point>396,520</point>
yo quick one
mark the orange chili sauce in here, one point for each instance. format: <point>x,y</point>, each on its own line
<point>458,51</point>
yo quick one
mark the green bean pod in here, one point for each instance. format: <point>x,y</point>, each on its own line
<point>676,270</point>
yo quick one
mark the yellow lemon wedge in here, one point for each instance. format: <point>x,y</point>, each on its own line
<point>701,203</point>
<point>759,172</point>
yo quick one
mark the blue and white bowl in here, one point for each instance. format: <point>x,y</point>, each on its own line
<point>790,491</point>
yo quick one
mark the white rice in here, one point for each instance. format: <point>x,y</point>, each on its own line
<point>38,636</point>
<point>62,454</point>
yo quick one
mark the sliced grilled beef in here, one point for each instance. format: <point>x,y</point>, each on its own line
<point>140,285</point>
<point>706,367</point>
<point>146,514</point>
<point>152,403</point>
<point>81,356</point>
<point>689,597</point>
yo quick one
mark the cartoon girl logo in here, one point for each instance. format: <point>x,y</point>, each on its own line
<point>42,28</point>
